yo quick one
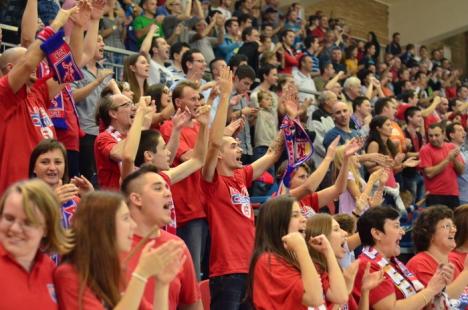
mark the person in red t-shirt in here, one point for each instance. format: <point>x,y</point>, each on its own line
<point>91,276</point>
<point>289,54</point>
<point>380,233</point>
<point>192,226</point>
<point>282,274</point>
<point>230,215</point>
<point>304,184</point>
<point>150,203</point>
<point>459,255</point>
<point>29,224</point>
<point>117,114</point>
<point>442,163</point>
<point>23,105</point>
<point>434,238</point>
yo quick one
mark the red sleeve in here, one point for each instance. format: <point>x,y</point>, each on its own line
<point>248,170</point>
<point>165,130</point>
<point>290,60</point>
<point>104,144</point>
<point>386,288</point>
<point>190,291</point>
<point>67,287</point>
<point>422,267</point>
<point>425,157</point>
<point>165,177</point>
<point>276,284</point>
<point>314,201</point>
<point>42,90</point>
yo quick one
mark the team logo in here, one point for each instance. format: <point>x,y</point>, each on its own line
<point>51,290</point>
<point>241,198</point>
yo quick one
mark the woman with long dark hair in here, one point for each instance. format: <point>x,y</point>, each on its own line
<point>281,273</point>
<point>92,275</point>
<point>378,141</point>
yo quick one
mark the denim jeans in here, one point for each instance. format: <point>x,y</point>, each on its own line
<point>196,236</point>
<point>228,291</point>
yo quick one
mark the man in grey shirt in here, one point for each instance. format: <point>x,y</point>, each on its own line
<point>86,93</point>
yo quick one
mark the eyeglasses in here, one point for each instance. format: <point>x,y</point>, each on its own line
<point>448,226</point>
<point>24,225</point>
<point>126,104</point>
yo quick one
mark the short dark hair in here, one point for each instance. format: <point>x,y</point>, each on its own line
<point>176,48</point>
<point>247,32</point>
<point>395,34</point>
<point>374,218</point>
<point>324,65</point>
<point>45,146</point>
<point>244,17</point>
<point>284,33</point>
<point>407,95</point>
<point>380,104</point>
<point>125,187</point>
<point>440,125</point>
<point>245,71</point>
<point>451,129</point>
<point>301,59</point>
<point>425,226</point>
<point>410,113</point>
<point>358,101</point>
<point>229,22</point>
<point>309,40</point>
<point>148,142</point>
<point>265,70</point>
<point>236,60</point>
<point>368,45</point>
<point>179,90</point>
<point>216,59</point>
<point>188,57</point>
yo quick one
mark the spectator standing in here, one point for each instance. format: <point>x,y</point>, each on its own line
<point>394,47</point>
<point>442,164</point>
<point>231,42</point>
<point>456,134</point>
<point>142,23</point>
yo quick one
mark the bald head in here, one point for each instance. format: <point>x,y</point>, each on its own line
<point>339,106</point>
<point>11,57</point>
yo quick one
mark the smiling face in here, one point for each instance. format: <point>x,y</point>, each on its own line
<point>388,240</point>
<point>124,226</point>
<point>436,136</point>
<point>50,167</point>
<point>190,98</point>
<point>18,235</point>
<point>124,110</point>
<point>386,129</point>
<point>99,54</point>
<point>337,240</point>
<point>156,200</point>
<point>298,221</point>
<point>198,65</point>
<point>444,236</point>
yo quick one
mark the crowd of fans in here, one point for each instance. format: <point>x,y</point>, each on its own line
<point>140,185</point>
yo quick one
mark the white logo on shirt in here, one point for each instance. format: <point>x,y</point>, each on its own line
<point>241,198</point>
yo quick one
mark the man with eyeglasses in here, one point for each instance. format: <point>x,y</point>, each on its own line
<point>194,65</point>
<point>115,115</point>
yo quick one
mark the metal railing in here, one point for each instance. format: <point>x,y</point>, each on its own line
<point>112,53</point>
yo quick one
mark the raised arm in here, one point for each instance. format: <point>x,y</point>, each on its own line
<point>334,80</point>
<point>195,163</point>
<point>29,23</point>
<point>21,72</point>
<point>430,109</point>
<point>217,128</point>
<point>179,121</point>
<point>79,94</point>
<point>130,148</point>
<point>270,158</point>
<point>146,44</point>
<point>314,180</point>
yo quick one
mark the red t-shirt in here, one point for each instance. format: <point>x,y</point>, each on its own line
<point>424,266</point>
<point>318,33</point>
<point>458,259</point>
<point>445,183</point>
<point>22,290</point>
<point>68,286</point>
<point>184,288</point>
<point>400,113</point>
<point>24,124</point>
<point>231,222</point>
<point>386,288</point>
<point>277,284</point>
<point>309,205</point>
<point>108,170</point>
<point>70,137</point>
<point>189,205</point>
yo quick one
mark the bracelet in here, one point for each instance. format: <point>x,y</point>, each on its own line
<point>139,277</point>
<point>45,33</point>
<point>355,214</point>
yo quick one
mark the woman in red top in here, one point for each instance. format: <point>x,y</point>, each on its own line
<point>282,275</point>
<point>458,256</point>
<point>29,226</point>
<point>434,238</point>
<point>92,275</point>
